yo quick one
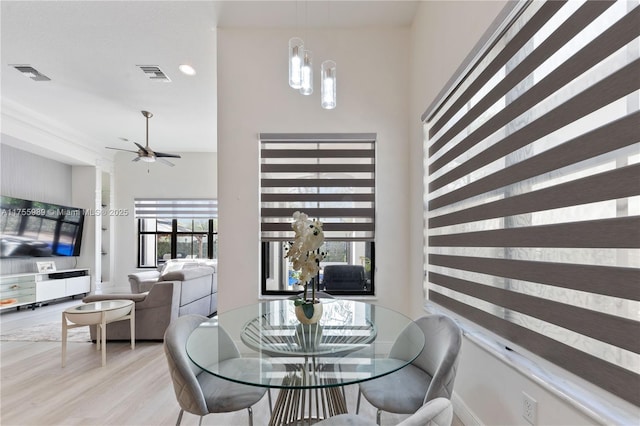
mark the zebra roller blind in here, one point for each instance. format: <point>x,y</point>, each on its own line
<point>159,208</point>
<point>533,160</point>
<point>328,176</point>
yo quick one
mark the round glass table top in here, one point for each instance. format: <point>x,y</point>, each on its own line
<point>351,343</point>
<point>105,305</point>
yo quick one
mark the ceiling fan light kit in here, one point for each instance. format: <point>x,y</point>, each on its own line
<point>145,153</point>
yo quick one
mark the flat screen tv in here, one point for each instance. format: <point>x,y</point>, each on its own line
<point>36,229</point>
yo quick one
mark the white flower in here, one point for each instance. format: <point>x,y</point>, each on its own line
<point>303,252</point>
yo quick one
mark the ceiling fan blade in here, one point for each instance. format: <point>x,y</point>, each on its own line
<point>121,149</point>
<point>163,154</point>
<point>162,160</point>
<point>145,153</point>
<point>141,147</point>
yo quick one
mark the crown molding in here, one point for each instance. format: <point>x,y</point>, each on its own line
<point>38,134</point>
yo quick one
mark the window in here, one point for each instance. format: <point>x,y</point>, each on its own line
<point>533,221</point>
<point>176,229</point>
<point>330,177</point>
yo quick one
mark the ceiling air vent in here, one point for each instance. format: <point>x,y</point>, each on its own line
<point>154,73</point>
<point>32,73</point>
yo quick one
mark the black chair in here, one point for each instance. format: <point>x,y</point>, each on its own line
<point>344,277</point>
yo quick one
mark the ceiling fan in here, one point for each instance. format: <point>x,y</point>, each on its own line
<point>145,153</point>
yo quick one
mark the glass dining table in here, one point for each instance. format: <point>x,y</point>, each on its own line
<point>309,364</point>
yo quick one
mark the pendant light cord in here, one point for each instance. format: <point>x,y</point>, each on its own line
<point>306,20</point>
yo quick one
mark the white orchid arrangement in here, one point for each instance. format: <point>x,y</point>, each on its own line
<point>304,251</point>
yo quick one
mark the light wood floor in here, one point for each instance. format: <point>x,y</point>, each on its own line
<point>134,388</point>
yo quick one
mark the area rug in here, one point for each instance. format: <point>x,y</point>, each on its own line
<point>50,332</point>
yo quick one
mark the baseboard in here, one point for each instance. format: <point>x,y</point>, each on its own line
<point>463,412</point>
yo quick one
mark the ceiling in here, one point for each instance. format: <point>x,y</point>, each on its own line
<point>91,49</point>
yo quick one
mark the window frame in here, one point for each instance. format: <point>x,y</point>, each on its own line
<point>266,265</point>
<point>297,170</point>
<point>616,234</point>
<point>211,234</point>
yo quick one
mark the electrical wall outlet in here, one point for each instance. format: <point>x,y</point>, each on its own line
<point>529,408</point>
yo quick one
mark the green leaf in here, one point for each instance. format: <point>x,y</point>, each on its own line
<point>308,309</point>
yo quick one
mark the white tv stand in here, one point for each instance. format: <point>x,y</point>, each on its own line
<point>37,288</point>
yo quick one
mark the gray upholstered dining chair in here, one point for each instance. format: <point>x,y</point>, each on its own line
<point>429,376</point>
<point>199,392</point>
<point>437,412</point>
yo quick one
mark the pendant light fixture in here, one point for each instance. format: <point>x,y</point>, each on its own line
<point>328,84</point>
<point>307,74</point>
<point>296,52</point>
<point>301,71</point>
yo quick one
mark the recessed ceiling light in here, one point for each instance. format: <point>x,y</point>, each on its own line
<point>187,69</point>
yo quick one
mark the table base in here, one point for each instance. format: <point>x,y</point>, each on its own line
<point>297,407</point>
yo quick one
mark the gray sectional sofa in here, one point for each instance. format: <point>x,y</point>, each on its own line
<point>162,296</point>
<point>198,286</point>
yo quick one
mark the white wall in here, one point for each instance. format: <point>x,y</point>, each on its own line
<point>488,389</point>
<point>34,177</point>
<point>499,402</point>
<point>193,176</point>
<point>83,190</point>
<point>254,97</point>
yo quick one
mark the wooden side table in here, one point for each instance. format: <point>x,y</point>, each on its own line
<point>99,314</point>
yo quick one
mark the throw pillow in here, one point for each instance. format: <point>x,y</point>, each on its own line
<point>170,267</point>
